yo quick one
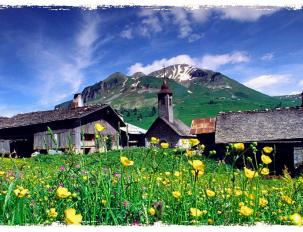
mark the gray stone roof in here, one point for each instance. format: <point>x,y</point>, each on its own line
<point>178,126</point>
<point>40,117</point>
<point>264,125</point>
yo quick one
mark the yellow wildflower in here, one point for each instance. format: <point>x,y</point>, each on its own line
<point>52,213</point>
<point>250,173</point>
<point>266,159</point>
<point>197,173</point>
<point>164,145</point>
<point>167,173</point>
<point>154,140</point>
<point>21,192</point>
<point>210,193</point>
<point>239,147</point>
<point>267,150</point>
<point>176,194</point>
<point>126,162</point>
<point>2,173</point>
<point>198,165</point>
<point>62,192</point>
<point>263,202</point>
<point>151,211</point>
<point>264,171</point>
<point>238,192</point>
<point>210,221</point>
<point>194,142</point>
<point>195,212</point>
<point>246,211</point>
<point>103,202</point>
<point>71,218</point>
<point>296,219</point>
<point>99,127</point>
<point>190,153</point>
<point>287,200</point>
<point>184,141</point>
<point>177,173</point>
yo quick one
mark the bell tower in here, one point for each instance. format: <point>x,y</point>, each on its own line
<point>165,101</point>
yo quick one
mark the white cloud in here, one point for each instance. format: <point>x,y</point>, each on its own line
<point>263,82</point>
<point>150,23</point>
<point>155,21</point>
<point>295,92</point>
<point>127,33</point>
<point>245,14</point>
<point>195,37</point>
<point>208,61</point>
<point>158,64</point>
<point>201,15</point>
<point>180,18</point>
<point>267,56</point>
<point>60,72</point>
<point>216,61</point>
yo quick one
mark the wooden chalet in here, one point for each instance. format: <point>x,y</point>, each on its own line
<point>24,134</point>
<point>165,127</point>
<point>279,128</point>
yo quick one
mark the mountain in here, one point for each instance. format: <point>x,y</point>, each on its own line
<point>197,93</point>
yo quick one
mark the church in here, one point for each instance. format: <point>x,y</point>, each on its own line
<point>166,127</point>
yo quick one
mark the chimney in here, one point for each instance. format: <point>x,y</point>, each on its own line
<point>77,101</point>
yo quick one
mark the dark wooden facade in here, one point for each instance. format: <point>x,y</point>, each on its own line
<point>26,133</point>
<point>278,128</point>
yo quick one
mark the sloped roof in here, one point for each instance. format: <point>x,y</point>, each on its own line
<point>40,117</point>
<point>178,126</point>
<point>264,125</point>
<point>203,126</point>
<point>132,129</point>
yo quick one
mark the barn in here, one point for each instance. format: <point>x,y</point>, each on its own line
<point>74,128</point>
<point>280,128</point>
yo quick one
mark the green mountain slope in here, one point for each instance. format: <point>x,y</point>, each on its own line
<point>196,93</point>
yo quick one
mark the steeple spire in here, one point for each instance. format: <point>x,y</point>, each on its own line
<point>165,106</point>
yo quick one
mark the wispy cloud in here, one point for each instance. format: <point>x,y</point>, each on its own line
<point>267,56</point>
<point>60,72</point>
<point>208,61</point>
<point>216,61</point>
<point>154,21</point>
<point>245,14</point>
<point>151,23</point>
<point>272,84</point>
<point>127,33</point>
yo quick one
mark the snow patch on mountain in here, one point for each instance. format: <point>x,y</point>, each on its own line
<point>178,72</point>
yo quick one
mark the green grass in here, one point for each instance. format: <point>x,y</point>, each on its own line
<point>131,191</point>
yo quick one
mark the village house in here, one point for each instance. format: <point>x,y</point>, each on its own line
<point>166,127</point>
<point>280,128</point>
<point>74,128</point>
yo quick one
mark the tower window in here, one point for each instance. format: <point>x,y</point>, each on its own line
<point>170,101</point>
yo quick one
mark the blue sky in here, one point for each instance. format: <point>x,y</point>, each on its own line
<point>46,54</point>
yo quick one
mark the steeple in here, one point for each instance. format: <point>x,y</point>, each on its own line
<point>165,104</point>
